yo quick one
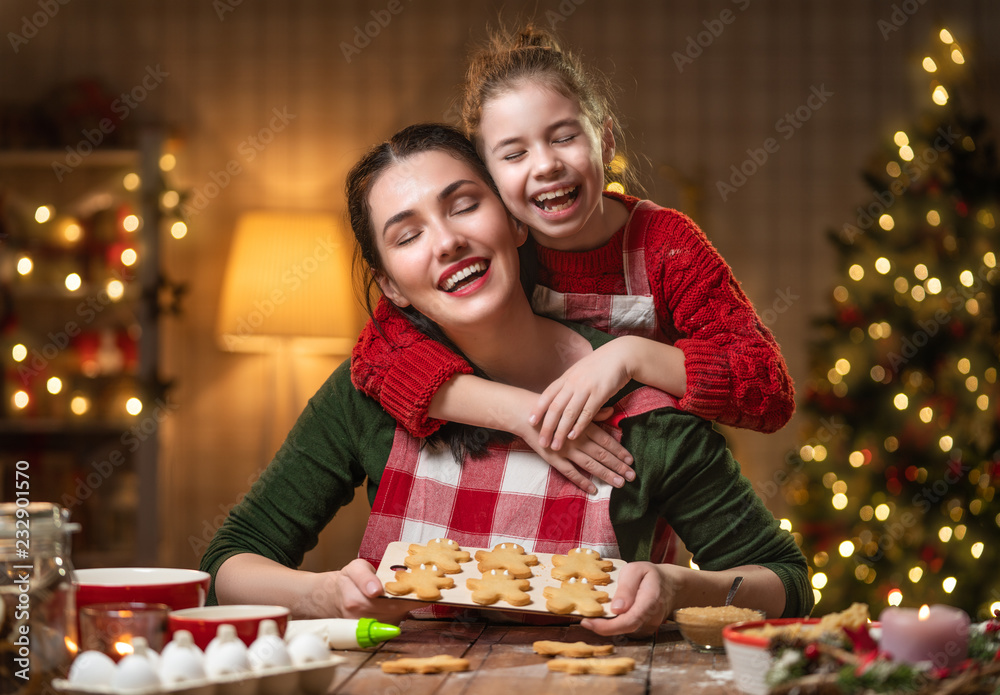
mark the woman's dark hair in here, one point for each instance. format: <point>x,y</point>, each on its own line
<point>534,56</point>
<point>424,137</point>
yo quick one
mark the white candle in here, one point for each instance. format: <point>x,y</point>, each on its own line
<point>939,634</point>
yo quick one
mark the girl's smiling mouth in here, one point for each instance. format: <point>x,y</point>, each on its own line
<point>558,200</point>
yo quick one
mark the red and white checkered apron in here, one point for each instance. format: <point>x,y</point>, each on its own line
<point>632,313</point>
<point>510,494</point>
<point>621,314</point>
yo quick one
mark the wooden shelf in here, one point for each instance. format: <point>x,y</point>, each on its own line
<point>13,427</point>
<point>130,293</point>
<point>68,447</point>
<point>45,158</point>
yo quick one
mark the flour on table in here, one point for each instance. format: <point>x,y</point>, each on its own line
<point>720,675</point>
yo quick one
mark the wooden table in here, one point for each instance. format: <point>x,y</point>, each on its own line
<point>502,661</point>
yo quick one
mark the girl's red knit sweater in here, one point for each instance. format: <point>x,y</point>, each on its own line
<point>735,372</point>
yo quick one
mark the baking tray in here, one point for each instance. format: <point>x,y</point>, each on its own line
<point>462,596</point>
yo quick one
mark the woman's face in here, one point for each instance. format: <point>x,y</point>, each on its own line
<point>447,244</point>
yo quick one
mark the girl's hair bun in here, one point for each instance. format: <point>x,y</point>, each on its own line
<point>533,37</point>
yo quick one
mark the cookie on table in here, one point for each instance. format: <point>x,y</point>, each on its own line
<point>582,563</point>
<point>426,581</point>
<point>573,650</point>
<point>599,667</point>
<point>507,556</point>
<point>575,595</point>
<point>443,552</point>
<point>440,663</point>
<point>495,585</point>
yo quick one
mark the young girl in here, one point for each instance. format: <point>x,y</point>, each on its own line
<point>622,265</point>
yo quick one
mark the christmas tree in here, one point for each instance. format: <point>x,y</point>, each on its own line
<point>893,492</point>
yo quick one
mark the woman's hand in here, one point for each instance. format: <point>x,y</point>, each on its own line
<point>595,453</point>
<point>352,592</point>
<point>482,403</point>
<point>572,401</point>
<point>646,595</point>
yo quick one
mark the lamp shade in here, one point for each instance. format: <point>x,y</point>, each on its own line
<point>288,279</point>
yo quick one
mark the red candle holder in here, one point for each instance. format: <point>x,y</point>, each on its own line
<point>111,627</point>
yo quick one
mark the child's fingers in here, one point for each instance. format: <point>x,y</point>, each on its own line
<point>603,414</point>
<point>587,415</point>
<point>543,403</point>
<point>578,414</point>
<point>552,418</point>
<point>575,410</point>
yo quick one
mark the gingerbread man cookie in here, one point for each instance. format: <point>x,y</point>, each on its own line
<point>574,650</point>
<point>600,667</point>
<point>440,663</point>
<point>507,556</point>
<point>577,595</point>
<point>442,552</point>
<point>496,585</point>
<point>582,563</point>
<point>425,580</point>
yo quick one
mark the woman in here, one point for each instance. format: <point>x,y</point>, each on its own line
<point>443,249</point>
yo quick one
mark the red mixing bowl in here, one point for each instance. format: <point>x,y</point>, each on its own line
<point>203,623</point>
<point>178,588</point>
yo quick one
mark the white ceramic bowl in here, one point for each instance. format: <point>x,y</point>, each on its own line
<point>748,655</point>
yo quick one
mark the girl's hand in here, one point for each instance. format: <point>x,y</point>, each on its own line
<point>645,597</point>
<point>572,401</point>
<point>353,592</point>
<point>595,453</point>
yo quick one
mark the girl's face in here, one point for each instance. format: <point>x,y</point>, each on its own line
<point>548,162</point>
<point>447,244</point>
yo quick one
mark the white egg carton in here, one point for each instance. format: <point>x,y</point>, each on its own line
<point>312,678</point>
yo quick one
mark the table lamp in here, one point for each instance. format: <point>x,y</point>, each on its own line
<point>287,290</point>
<point>288,281</point>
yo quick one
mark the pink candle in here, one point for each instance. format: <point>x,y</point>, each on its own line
<point>939,634</point>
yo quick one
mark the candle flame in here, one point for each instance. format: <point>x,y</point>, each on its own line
<point>924,612</point>
<point>71,646</point>
<point>123,648</point>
